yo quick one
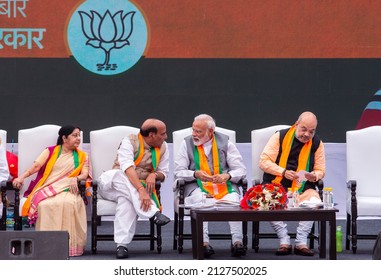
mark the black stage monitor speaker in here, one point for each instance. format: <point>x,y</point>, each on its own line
<point>34,245</point>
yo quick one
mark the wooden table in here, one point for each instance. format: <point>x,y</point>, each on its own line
<point>198,216</point>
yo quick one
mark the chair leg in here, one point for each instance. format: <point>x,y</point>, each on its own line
<point>255,237</point>
<point>348,232</point>
<point>175,230</point>
<point>152,234</point>
<point>94,224</point>
<point>180,239</point>
<point>159,239</point>
<point>354,233</point>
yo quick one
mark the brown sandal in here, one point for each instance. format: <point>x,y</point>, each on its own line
<point>284,249</point>
<point>303,251</point>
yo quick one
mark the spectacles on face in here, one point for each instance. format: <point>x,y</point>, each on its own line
<point>197,131</point>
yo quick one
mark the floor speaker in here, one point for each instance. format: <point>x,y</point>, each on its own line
<point>34,245</point>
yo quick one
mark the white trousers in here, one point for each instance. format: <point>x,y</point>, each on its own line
<point>235,227</point>
<point>115,186</point>
<point>302,232</point>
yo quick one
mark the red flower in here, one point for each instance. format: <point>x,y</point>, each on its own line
<point>265,197</point>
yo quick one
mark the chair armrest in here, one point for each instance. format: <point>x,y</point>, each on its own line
<point>157,185</point>
<point>351,184</point>
<point>4,186</point>
<point>8,186</point>
<point>181,187</point>
<point>157,188</point>
<point>320,186</point>
<point>243,184</point>
<point>82,191</point>
<point>256,182</point>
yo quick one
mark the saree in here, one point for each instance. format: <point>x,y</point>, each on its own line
<point>51,205</point>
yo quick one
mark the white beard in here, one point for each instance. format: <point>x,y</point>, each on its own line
<point>201,141</point>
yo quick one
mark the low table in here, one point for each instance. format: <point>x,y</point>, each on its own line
<point>200,215</point>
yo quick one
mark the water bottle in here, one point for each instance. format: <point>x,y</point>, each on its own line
<point>290,198</point>
<point>295,197</point>
<point>327,198</point>
<point>10,221</point>
<point>339,239</point>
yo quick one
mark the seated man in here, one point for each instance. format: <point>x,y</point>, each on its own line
<point>215,163</point>
<point>141,160</point>
<point>288,151</point>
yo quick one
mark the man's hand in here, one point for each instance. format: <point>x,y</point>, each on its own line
<point>221,178</point>
<point>145,199</point>
<point>311,176</point>
<point>150,182</point>
<point>203,176</point>
<point>291,175</point>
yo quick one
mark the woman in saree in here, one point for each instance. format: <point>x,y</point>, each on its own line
<point>53,199</point>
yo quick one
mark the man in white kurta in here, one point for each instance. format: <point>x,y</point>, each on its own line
<point>232,170</point>
<point>123,183</point>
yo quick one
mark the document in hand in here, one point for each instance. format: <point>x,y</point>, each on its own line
<point>302,175</point>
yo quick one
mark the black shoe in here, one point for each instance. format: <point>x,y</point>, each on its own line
<point>160,219</point>
<point>208,251</point>
<point>238,250</point>
<point>121,252</point>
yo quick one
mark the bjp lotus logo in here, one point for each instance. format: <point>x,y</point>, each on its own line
<point>107,39</point>
<point>107,32</point>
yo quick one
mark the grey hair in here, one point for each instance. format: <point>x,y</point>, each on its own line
<point>208,119</point>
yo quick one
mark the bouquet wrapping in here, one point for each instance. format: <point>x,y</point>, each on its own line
<point>265,197</point>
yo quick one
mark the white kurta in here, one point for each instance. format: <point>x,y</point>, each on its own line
<point>237,170</point>
<point>114,185</point>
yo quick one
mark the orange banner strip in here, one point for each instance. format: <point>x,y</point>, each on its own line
<point>228,29</point>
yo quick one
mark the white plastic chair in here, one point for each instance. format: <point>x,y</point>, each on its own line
<point>259,139</point>
<point>31,142</point>
<point>104,144</point>
<point>364,192</point>
<point>179,212</point>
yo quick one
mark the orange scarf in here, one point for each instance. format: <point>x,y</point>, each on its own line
<point>303,160</point>
<point>217,190</point>
<point>155,154</point>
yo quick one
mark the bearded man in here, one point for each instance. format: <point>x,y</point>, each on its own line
<point>212,165</point>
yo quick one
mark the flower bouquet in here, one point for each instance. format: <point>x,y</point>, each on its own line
<point>265,197</point>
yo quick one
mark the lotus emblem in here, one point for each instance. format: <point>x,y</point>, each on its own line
<point>107,32</point>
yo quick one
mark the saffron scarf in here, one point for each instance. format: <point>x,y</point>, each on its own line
<point>155,156</point>
<point>39,192</point>
<point>303,160</point>
<point>218,190</point>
